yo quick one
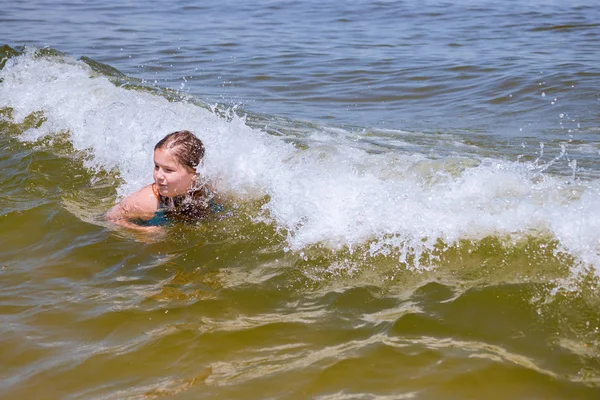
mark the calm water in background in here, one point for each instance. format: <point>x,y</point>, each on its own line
<point>413,192</point>
<point>436,65</point>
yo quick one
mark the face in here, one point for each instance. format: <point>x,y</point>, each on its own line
<point>172,179</point>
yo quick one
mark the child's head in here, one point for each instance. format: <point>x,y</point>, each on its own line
<point>187,149</point>
<point>176,157</point>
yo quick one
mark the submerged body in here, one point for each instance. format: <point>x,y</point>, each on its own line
<point>165,213</point>
<point>177,193</point>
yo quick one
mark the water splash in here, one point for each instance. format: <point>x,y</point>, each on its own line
<point>320,187</point>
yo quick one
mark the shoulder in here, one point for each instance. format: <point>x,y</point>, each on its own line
<point>141,204</point>
<point>144,200</point>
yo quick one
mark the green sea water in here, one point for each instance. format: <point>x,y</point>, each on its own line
<point>232,308</point>
<point>221,310</point>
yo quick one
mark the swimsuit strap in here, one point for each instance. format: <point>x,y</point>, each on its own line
<point>161,199</point>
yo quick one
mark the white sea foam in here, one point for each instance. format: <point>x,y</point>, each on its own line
<point>333,193</point>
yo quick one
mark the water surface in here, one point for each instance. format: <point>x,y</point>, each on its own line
<point>412,194</point>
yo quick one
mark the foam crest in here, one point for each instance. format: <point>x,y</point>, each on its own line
<point>332,192</point>
<point>120,126</point>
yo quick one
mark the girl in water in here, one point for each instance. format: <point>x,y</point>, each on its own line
<point>178,192</point>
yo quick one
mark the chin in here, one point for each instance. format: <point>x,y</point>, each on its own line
<point>164,192</point>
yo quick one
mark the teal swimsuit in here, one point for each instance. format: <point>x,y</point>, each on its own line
<point>160,218</point>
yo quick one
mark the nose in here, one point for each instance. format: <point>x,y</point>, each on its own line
<point>159,176</point>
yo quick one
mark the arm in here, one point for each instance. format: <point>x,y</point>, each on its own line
<point>140,205</point>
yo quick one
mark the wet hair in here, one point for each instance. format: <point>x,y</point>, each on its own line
<point>187,149</point>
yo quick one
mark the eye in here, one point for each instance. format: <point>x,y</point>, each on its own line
<point>155,166</point>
